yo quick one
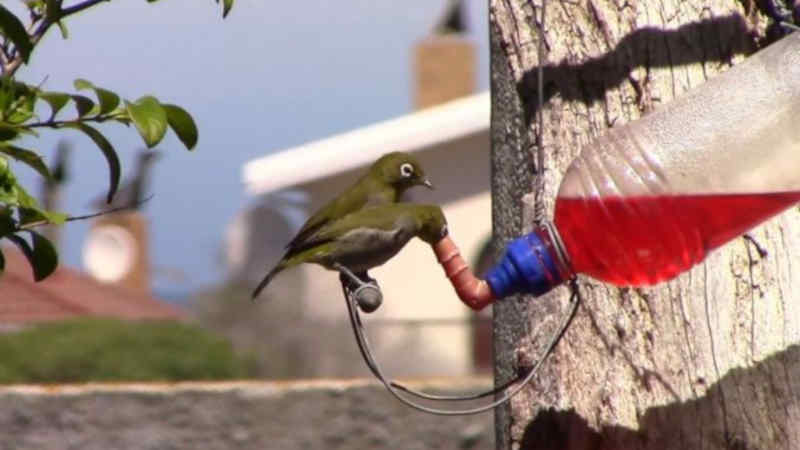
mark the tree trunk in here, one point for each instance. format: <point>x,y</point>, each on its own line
<point>709,360</point>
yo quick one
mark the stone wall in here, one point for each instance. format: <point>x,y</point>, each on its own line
<point>323,414</point>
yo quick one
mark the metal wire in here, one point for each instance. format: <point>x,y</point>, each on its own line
<point>396,388</point>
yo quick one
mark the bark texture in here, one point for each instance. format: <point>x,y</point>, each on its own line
<point>707,361</point>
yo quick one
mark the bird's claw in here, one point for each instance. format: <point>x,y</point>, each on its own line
<point>362,288</point>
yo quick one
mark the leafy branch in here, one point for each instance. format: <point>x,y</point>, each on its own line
<point>20,213</point>
<point>43,14</point>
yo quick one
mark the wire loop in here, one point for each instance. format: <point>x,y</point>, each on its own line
<point>396,388</point>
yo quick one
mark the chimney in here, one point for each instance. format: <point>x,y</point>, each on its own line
<point>445,61</point>
<point>52,189</point>
<point>116,249</point>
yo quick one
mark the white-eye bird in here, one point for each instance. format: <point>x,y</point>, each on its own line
<point>364,239</point>
<point>383,183</point>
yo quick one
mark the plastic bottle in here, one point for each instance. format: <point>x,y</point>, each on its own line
<point>648,200</point>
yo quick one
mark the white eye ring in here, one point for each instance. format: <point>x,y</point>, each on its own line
<point>406,170</point>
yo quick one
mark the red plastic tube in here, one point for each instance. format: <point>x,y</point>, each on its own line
<point>473,291</point>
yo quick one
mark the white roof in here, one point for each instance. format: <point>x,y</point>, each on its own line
<point>360,147</point>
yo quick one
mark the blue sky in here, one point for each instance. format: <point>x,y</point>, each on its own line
<point>270,76</point>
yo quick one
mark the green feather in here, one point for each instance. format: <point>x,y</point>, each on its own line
<point>365,238</point>
<point>289,261</point>
<point>383,184</point>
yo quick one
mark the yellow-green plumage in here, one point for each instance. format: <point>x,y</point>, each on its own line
<point>385,181</point>
<point>365,239</point>
<point>383,184</point>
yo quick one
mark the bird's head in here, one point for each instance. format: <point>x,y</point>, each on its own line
<point>400,170</point>
<point>432,223</point>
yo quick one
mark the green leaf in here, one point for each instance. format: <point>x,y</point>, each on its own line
<point>182,124</point>
<point>11,192</point>
<point>7,222</point>
<point>45,256</point>
<point>120,115</point>
<point>56,100</point>
<point>80,84</point>
<point>108,100</point>
<point>21,99</point>
<point>14,195</point>
<point>28,157</point>
<point>56,218</point>
<point>8,185</point>
<point>11,132</point>
<point>25,200</point>
<point>29,209</point>
<point>226,7</point>
<point>108,152</point>
<point>150,119</point>
<point>84,105</point>
<point>29,215</point>
<point>8,132</point>
<point>42,256</point>
<point>15,31</point>
<point>63,29</point>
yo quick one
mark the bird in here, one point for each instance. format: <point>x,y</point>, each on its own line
<point>364,239</point>
<point>384,182</point>
<point>452,19</point>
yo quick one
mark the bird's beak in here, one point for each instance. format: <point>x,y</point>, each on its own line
<point>427,183</point>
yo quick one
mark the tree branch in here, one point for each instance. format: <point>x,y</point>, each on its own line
<point>14,63</point>
<point>78,8</point>
<point>39,223</point>
<point>60,123</point>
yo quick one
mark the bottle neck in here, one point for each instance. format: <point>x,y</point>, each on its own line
<point>563,264</point>
<point>534,264</point>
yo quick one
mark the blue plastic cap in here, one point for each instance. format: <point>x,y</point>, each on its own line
<point>528,266</point>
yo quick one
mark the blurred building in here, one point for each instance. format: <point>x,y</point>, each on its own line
<point>117,247</point>
<point>421,319</point>
<point>117,279</point>
<point>68,294</point>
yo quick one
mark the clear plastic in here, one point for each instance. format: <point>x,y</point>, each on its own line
<point>650,199</point>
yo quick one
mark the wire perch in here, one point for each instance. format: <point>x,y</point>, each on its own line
<point>348,279</point>
<point>476,292</point>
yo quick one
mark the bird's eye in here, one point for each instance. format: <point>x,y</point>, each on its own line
<point>406,170</point>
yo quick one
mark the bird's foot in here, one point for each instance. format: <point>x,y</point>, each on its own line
<point>362,288</point>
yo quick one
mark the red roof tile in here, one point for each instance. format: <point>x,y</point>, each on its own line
<point>68,293</point>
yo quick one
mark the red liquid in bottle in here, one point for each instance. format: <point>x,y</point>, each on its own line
<point>647,239</point>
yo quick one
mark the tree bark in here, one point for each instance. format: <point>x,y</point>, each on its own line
<point>709,360</point>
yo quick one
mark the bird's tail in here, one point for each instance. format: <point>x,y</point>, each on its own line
<point>265,281</point>
<point>290,259</point>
